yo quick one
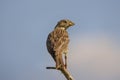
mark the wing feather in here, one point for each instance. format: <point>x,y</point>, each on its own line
<point>57,41</point>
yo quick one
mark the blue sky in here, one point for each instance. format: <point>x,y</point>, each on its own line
<point>94,49</point>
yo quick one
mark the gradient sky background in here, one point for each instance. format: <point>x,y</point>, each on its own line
<point>94,49</point>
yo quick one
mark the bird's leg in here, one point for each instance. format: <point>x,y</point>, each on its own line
<point>66,61</point>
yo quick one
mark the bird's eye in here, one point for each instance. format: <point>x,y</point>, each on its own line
<point>65,21</point>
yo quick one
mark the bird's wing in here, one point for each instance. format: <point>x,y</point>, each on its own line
<point>57,41</point>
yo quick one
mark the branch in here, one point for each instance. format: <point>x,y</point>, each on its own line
<point>64,71</point>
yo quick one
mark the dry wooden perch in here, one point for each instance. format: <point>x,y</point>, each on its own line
<point>64,71</point>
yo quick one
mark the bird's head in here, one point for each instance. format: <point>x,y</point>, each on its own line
<point>64,24</point>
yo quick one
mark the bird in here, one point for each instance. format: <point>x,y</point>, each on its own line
<point>57,42</point>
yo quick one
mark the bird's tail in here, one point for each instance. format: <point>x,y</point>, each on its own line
<point>59,60</point>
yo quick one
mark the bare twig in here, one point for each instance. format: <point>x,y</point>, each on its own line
<point>50,67</point>
<point>64,71</point>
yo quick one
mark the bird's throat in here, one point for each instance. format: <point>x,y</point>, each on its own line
<point>60,28</point>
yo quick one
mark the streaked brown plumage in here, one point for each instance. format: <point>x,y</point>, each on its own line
<point>57,42</point>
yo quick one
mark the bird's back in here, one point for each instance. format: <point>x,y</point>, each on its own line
<point>57,41</point>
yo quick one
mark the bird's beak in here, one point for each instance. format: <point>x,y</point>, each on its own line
<point>71,23</point>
